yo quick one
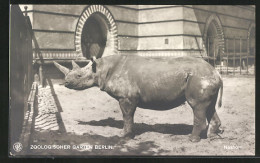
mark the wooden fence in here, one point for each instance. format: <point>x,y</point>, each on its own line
<point>21,70</point>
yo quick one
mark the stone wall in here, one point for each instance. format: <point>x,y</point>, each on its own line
<point>163,30</point>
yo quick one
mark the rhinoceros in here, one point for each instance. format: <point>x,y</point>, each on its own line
<point>154,83</point>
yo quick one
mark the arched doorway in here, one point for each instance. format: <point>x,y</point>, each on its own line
<point>96,33</point>
<point>211,42</point>
<point>252,41</point>
<point>214,40</point>
<point>94,36</point>
<point>251,44</point>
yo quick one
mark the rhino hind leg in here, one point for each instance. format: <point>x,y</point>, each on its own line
<point>199,122</point>
<point>128,108</point>
<point>213,120</point>
<point>201,94</point>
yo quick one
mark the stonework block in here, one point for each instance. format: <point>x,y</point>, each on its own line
<point>123,14</point>
<point>127,43</point>
<point>127,29</point>
<point>195,15</point>
<point>227,10</point>
<point>163,14</point>
<point>192,42</point>
<point>164,28</point>
<point>47,40</point>
<point>63,9</point>
<point>54,22</point>
<point>192,28</point>
<point>234,22</point>
<point>232,32</point>
<point>160,43</point>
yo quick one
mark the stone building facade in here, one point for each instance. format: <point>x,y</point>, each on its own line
<point>65,32</point>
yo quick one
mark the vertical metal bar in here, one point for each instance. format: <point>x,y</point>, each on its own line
<point>208,48</point>
<point>41,75</point>
<point>247,56</point>
<point>220,56</point>
<point>240,51</point>
<point>227,56</point>
<point>214,51</point>
<point>234,52</point>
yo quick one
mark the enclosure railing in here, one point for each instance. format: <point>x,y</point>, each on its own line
<point>231,55</point>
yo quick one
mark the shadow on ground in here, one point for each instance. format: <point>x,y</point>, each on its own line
<point>140,128</point>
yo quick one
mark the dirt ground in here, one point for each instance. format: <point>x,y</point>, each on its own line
<point>91,118</point>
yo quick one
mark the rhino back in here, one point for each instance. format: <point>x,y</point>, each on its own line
<point>151,80</point>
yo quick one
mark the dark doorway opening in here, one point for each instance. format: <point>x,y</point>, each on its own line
<point>94,36</point>
<point>252,42</point>
<point>251,60</point>
<point>212,44</point>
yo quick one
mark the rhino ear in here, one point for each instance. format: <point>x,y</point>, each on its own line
<point>61,68</point>
<point>94,64</point>
<point>74,65</point>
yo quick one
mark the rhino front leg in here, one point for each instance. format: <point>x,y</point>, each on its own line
<point>128,108</point>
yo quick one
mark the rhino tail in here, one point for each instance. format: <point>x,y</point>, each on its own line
<point>221,93</point>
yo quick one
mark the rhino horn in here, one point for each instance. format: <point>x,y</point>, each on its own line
<point>89,64</point>
<point>61,68</point>
<point>74,65</point>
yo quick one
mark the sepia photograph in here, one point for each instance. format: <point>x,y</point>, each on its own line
<point>131,80</point>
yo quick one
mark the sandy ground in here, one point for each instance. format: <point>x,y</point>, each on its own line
<point>91,118</point>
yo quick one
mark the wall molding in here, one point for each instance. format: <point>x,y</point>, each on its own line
<point>164,53</point>
<point>51,13</point>
<point>170,35</point>
<point>55,55</point>
<point>53,31</point>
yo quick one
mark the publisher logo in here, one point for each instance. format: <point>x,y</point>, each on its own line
<point>17,147</point>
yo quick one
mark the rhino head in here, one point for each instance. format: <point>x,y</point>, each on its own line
<point>79,78</point>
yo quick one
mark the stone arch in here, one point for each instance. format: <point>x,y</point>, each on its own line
<point>112,38</point>
<point>213,21</point>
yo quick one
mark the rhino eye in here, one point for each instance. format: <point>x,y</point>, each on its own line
<point>79,76</point>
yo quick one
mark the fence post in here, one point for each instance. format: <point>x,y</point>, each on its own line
<point>234,61</point>
<point>41,75</point>
<point>220,57</point>
<point>247,56</point>
<point>208,48</point>
<point>240,53</point>
<point>227,56</point>
<point>214,52</point>
<point>25,8</point>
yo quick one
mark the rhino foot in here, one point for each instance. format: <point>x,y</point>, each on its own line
<point>194,138</point>
<point>128,135</point>
<point>216,135</point>
<point>213,136</point>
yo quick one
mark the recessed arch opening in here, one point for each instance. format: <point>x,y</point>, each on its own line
<point>96,33</point>
<point>214,40</point>
<point>252,41</point>
<point>94,36</point>
<point>251,44</point>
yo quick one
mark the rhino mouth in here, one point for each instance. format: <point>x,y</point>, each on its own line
<point>70,86</point>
